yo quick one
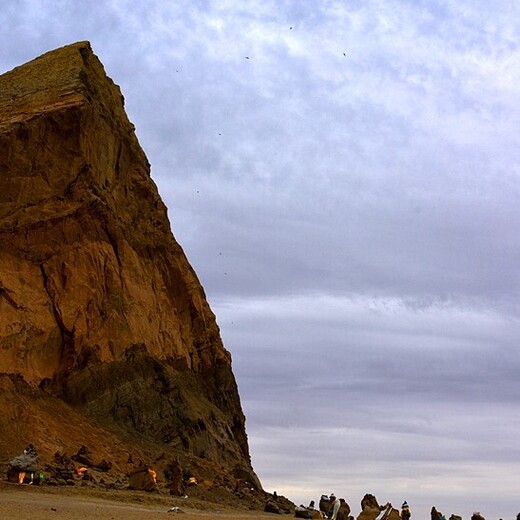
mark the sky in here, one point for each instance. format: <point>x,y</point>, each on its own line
<point>344,178</point>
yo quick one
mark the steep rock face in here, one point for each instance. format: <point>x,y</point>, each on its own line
<point>98,303</point>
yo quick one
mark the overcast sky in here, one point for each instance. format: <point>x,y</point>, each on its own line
<point>344,178</point>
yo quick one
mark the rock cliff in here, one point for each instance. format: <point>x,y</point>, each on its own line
<point>100,311</point>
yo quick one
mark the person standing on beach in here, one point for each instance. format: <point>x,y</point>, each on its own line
<point>405,511</point>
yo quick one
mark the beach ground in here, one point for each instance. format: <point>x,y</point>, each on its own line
<point>71,503</point>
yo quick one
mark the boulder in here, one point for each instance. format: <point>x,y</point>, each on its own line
<point>272,507</point>
<point>369,501</point>
<point>25,462</point>
<point>392,514</point>
<point>142,479</point>
<point>370,508</point>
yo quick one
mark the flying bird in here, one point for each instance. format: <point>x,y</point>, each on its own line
<point>247,57</point>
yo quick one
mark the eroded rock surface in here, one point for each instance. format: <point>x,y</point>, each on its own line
<point>99,307</point>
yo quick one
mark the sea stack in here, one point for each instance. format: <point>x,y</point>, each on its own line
<point>102,319</point>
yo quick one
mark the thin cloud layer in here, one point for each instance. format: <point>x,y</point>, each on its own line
<point>344,180</point>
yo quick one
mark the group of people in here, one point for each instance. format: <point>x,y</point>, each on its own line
<point>334,508</point>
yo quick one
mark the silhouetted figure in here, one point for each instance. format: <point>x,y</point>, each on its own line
<point>344,510</point>
<point>177,481</point>
<point>405,511</point>
<point>370,501</point>
<point>436,515</point>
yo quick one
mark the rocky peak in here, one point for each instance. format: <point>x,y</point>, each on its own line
<point>99,307</point>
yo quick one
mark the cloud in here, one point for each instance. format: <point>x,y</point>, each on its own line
<point>373,347</point>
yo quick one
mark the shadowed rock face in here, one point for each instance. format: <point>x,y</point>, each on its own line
<point>98,303</point>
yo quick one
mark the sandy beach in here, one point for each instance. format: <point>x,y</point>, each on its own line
<point>71,503</point>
